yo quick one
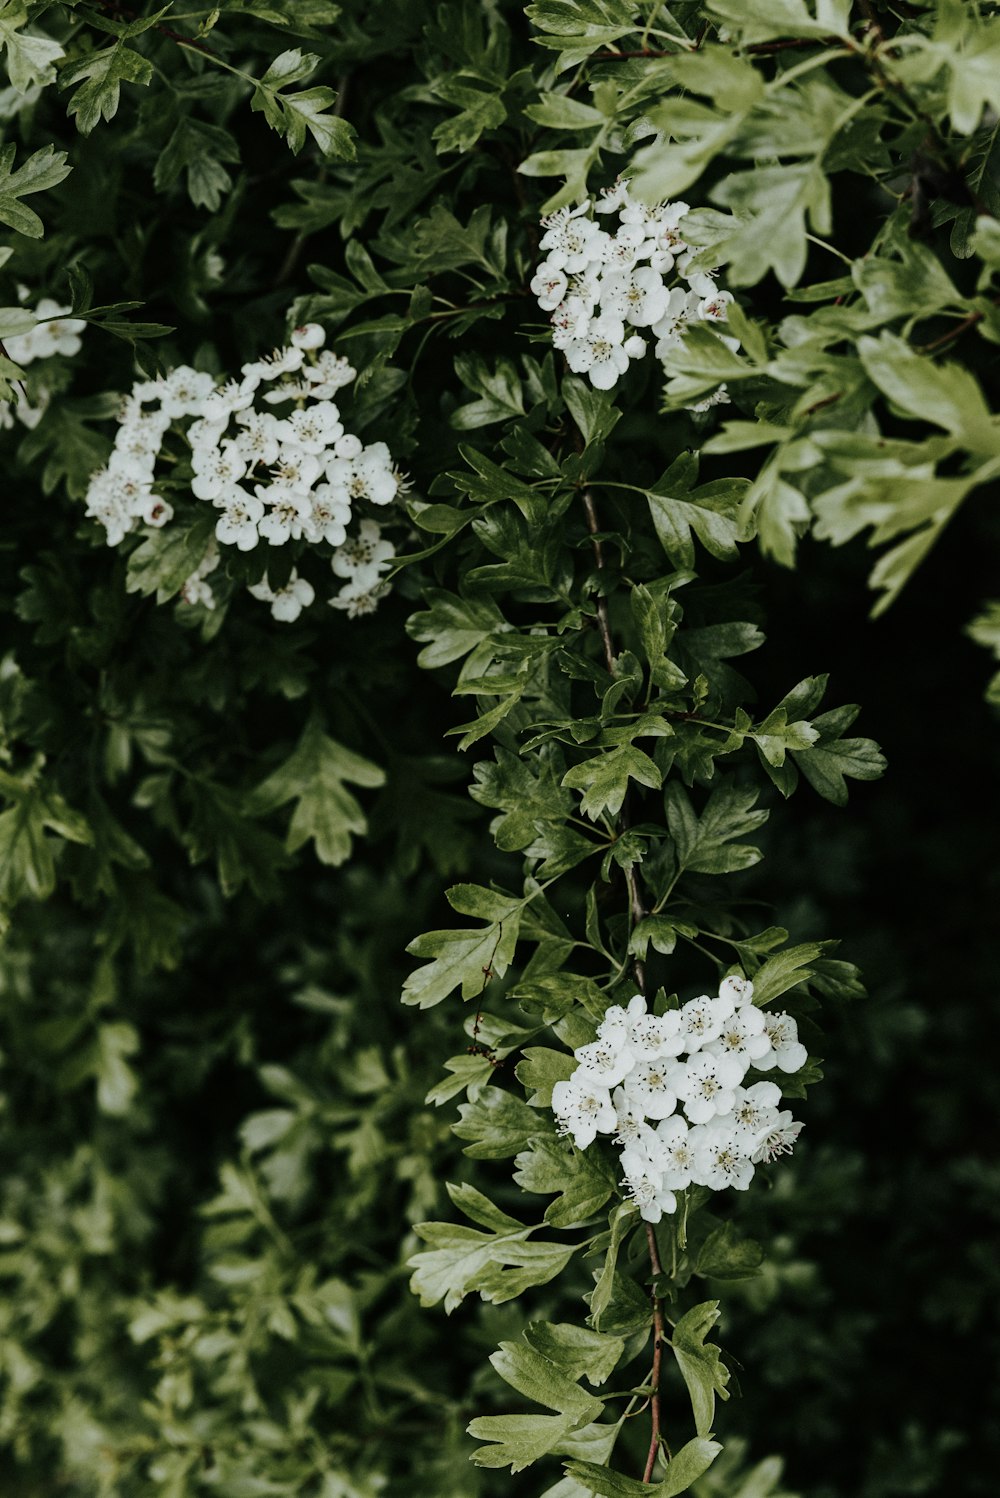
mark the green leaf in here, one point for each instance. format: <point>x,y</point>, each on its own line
<point>539,1071</point>
<point>466,959</point>
<point>102,73</point>
<point>306,113</point>
<point>315,777</point>
<point>498,1124</point>
<point>500,1263</point>
<point>727,1255</point>
<point>831,757</point>
<point>764,20</point>
<point>499,391</point>
<point>701,1366</point>
<point>198,149</point>
<point>708,844</point>
<point>30,59</point>
<point>686,1467</point>
<point>481,108</point>
<point>946,395</point>
<point>452,626</point>
<point>578,1351</point>
<point>43,169</point>
<point>167,557</point>
<point>582,1179</point>
<point>604,779</point>
<point>536,1378</point>
<point>785,970</point>
<point>711,512</point>
<point>623,1220</point>
<point>27,853</point>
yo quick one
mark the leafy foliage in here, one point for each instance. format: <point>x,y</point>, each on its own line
<point>226,1245</point>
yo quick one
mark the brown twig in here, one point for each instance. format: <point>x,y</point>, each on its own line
<point>952,333</point>
<point>655,1439</point>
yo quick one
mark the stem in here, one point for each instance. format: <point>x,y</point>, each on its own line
<point>638,909</point>
<point>297,245</point>
<point>655,1438</point>
<point>636,904</point>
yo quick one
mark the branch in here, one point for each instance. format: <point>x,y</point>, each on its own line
<point>655,1438</point>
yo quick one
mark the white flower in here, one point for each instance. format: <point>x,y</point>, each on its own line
<point>359,597</point>
<point>737,988</point>
<point>241,514</point>
<point>279,362</point>
<point>720,397</point>
<point>235,395</point>
<point>650,1036</point>
<point>55,334</point>
<point>365,555</point>
<point>647,1192</point>
<point>743,1037</point>
<point>604,1062</point>
<point>105,503</point>
<point>288,602</point>
<point>713,307</point>
<point>706,1085</point>
<point>329,516</point>
<point>633,1131</point>
<point>216,470</point>
<point>779,1140</point>
<point>195,589</point>
<point>309,336</point>
<point>652,1086</point>
<point>155,511</point>
<point>549,286</point>
<point>583,1109</point>
<point>288,512</point>
<point>313,428</point>
<point>202,434</point>
<point>295,468</point>
<point>787,1052</point>
<point>183,391</point>
<point>368,476</point>
<point>573,242</point>
<point>718,1161</point>
<point>755,1113</point>
<point>702,1020</point>
<point>257,439</point>
<point>676,1153</point>
<point>328,374</point>
<point>670,327</point>
<point>614,197</point>
<point>599,354</point>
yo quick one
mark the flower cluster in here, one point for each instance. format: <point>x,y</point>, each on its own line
<point>669,1088</point>
<point>610,290</point>
<point>269,453</point>
<point>55,333</point>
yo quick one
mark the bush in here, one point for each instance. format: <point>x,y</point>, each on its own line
<point>484,621</point>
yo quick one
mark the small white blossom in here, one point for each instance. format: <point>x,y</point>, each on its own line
<point>707,1085</point>
<point>778,1140</point>
<point>241,514</point>
<point>288,602</point>
<point>786,1052</point>
<point>582,1109</point>
<point>309,336</point>
<point>718,1160</point>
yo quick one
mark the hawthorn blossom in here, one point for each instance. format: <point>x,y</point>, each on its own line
<point>288,602</point>
<point>294,479</point>
<point>638,271</point>
<point>670,1089</point>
